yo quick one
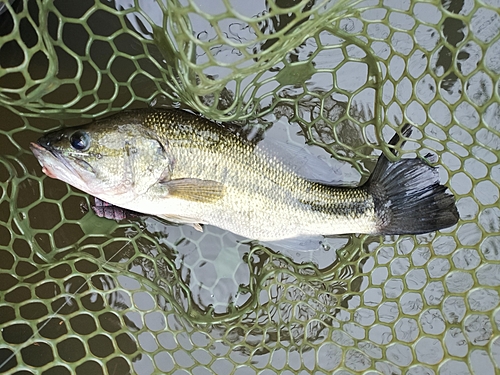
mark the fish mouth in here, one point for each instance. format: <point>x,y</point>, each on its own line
<point>41,152</point>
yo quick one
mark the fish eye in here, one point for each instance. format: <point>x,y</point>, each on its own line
<point>80,140</point>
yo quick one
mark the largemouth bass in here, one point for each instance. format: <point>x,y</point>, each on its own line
<point>187,169</point>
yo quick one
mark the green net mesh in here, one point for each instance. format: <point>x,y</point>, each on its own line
<point>85,295</point>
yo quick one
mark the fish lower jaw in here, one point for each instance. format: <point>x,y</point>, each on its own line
<point>48,172</point>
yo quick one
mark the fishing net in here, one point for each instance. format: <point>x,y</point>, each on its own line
<point>86,295</point>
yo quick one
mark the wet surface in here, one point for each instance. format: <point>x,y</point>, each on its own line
<point>143,295</point>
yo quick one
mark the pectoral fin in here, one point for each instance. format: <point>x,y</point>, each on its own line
<point>194,189</point>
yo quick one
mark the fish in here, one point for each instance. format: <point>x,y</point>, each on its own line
<point>186,169</point>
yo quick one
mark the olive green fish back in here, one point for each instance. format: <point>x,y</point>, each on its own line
<point>81,294</point>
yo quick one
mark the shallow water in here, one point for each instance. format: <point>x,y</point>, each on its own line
<point>81,294</point>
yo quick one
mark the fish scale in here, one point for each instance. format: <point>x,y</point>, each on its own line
<point>256,183</point>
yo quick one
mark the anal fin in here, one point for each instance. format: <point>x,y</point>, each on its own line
<point>198,227</point>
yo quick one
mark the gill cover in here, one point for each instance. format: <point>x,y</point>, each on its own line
<point>113,157</point>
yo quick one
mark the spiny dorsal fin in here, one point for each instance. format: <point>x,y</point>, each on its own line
<point>196,190</point>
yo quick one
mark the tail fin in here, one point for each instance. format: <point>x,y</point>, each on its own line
<point>408,196</point>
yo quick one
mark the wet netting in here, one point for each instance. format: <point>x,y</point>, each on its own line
<point>81,294</point>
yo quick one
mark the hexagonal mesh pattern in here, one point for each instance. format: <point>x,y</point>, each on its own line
<point>85,295</point>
